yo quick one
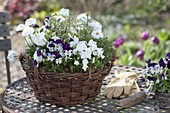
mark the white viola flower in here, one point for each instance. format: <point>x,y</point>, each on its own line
<point>74,42</point>
<point>50,57</point>
<point>30,21</point>
<point>58,61</point>
<point>95,52</point>
<point>160,70</point>
<point>152,70</point>
<point>44,54</point>
<point>60,18</point>
<point>76,63</point>
<point>83,18</point>
<point>28,41</point>
<point>165,60</point>
<point>38,56</point>
<point>86,54</point>
<point>92,44</point>
<point>85,66</point>
<point>46,22</point>
<point>68,53</point>
<point>12,55</point>
<point>100,52</point>
<point>96,25</point>
<point>149,83</point>
<point>51,49</point>
<point>20,27</point>
<point>39,39</point>
<point>58,47</point>
<point>81,46</point>
<point>27,31</point>
<point>165,77</point>
<point>75,51</point>
<point>97,34</point>
<point>64,12</point>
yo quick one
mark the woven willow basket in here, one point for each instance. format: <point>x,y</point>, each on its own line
<point>163,100</point>
<point>64,89</point>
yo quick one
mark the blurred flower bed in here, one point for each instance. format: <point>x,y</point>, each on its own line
<point>138,29</point>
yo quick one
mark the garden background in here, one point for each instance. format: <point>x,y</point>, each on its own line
<point>139,29</point>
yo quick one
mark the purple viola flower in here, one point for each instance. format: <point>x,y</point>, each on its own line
<point>115,44</point>
<point>152,78</point>
<point>66,46</point>
<point>43,23</point>
<point>57,55</point>
<point>168,55</point>
<point>47,50</point>
<point>59,41</point>
<point>167,72</point>
<point>44,53</point>
<point>38,53</point>
<point>47,17</point>
<point>155,40</point>
<point>152,64</point>
<point>162,63</point>
<point>36,26</point>
<point>140,54</point>
<point>148,61</point>
<point>163,76</point>
<point>145,35</point>
<point>47,27</point>
<point>35,64</point>
<point>51,45</point>
<point>168,64</point>
<point>120,40</point>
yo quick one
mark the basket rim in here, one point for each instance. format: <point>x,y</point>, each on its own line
<point>105,69</point>
<point>100,72</point>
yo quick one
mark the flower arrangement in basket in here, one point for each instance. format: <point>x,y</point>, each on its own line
<point>158,80</point>
<point>66,58</point>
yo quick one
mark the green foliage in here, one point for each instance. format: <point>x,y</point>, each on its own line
<point>162,88</point>
<point>59,33</point>
<point>127,52</point>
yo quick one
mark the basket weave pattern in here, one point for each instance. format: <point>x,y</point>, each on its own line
<point>65,89</point>
<point>163,100</point>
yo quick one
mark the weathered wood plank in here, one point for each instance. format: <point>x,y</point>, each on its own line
<point>4,31</point>
<point>5,44</point>
<point>4,17</point>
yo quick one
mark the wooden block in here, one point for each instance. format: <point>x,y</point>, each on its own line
<point>5,44</point>
<point>4,17</point>
<point>132,100</point>
<point>4,31</point>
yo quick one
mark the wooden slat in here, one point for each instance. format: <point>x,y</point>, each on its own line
<point>4,17</point>
<point>4,31</point>
<point>5,44</point>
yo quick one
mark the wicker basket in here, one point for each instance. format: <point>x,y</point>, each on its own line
<point>64,89</point>
<point>163,100</point>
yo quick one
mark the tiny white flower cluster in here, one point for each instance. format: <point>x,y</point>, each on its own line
<point>12,56</point>
<point>62,39</point>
